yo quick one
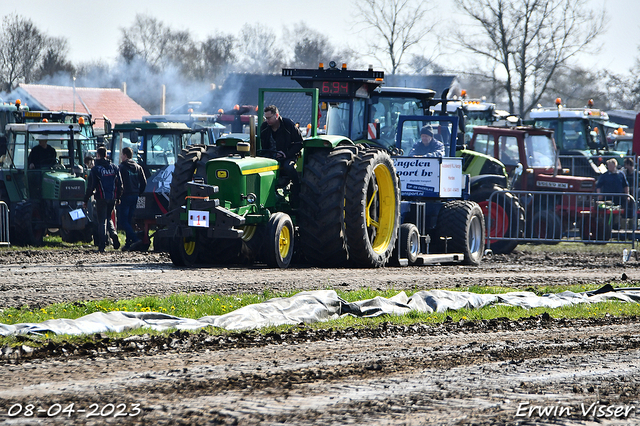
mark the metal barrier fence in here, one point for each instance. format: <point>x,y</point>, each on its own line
<point>4,224</point>
<point>579,165</point>
<point>552,217</point>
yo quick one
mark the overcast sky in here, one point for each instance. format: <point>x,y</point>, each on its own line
<point>93,28</point>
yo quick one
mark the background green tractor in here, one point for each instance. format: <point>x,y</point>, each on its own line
<point>48,198</point>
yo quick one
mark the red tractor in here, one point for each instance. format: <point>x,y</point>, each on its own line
<point>554,204</point>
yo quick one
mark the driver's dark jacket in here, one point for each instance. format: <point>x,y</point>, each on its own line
<point>42,157</point>
<point>105,180</point>
<point>287,138</point>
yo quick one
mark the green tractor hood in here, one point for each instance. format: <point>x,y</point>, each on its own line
<point>237,177</point>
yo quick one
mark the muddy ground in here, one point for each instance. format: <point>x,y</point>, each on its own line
<point>538,370</point>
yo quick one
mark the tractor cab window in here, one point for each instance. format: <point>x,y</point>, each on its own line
<point>339,119</point>
<point>574,136</point>
<point>15,154</point>
<point>127,140</point>
<point>540,151</point>
<point>508,150</point>
<point>598,136</point>
<point>386,112</point>
<point>484,144</point>
<point>411,134</point>
<point>160,149</point>
<point>58,141</point>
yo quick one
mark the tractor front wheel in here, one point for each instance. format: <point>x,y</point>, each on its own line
<point>278,246</point>
<point>184,251</point>
<point>409,242</point>
<point>463,222</point>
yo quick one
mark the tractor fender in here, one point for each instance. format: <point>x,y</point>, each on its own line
<point>326,141</point>
<point>482,181</point>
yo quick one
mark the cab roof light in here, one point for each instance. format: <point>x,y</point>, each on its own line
<point>590,103</point>
<point>321,66</point>
<point>558,101</point>
<point>344,66</point>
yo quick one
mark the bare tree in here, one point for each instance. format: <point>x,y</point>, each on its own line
<point>257,50</point>
<point>398,25</point>
<point>20,50</point>
<point>310,47</point>
<point>54,59</point>
<point>151,41</point>
<point>216,54</point>
<point>529,40</point>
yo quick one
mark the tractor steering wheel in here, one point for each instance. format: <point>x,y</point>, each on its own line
<point>268,153</point>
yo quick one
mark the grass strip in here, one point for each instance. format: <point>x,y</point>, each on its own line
<point>199,305</point>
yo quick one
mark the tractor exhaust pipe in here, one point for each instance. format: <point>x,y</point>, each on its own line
<point>252,135</point>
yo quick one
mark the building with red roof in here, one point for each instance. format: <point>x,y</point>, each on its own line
<point>113,104</point>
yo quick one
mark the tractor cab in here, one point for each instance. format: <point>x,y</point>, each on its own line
<point>156,147</point>
<point>535,150</point>
<point>47,193</point>
<point>580,135</point>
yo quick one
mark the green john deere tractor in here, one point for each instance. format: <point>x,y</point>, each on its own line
<point>237,207</point>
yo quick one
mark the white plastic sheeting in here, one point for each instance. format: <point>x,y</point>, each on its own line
<point>314,306</point>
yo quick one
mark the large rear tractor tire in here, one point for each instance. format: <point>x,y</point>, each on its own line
<point>503,217</point>
<point>278,245</point>
<point>191,164</point>
<point>463,223</point>
<point>322,202</point>
<point>372,208</point>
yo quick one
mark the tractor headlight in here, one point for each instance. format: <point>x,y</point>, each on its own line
<point>64,203</point>
<point>251,198</point>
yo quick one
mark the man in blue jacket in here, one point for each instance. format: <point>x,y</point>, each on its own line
<point>428,145</point>
<point>106,183</point>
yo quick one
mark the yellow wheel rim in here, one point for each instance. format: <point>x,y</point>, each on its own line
<point>248,232</point>
<point>189,247</point>
<point>386,209</point>
<point>284,242</point>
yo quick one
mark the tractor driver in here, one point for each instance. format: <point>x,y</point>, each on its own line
<point>42,155</point>
<point>428,145</point>
<point>281,135</point>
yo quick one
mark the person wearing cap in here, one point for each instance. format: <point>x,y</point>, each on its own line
<point>428,145</point>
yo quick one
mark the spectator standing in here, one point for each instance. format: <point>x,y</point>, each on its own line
<point>106,185</point>
<point>133,184</point>
<point>630,174</point>
<point>613,181</point>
